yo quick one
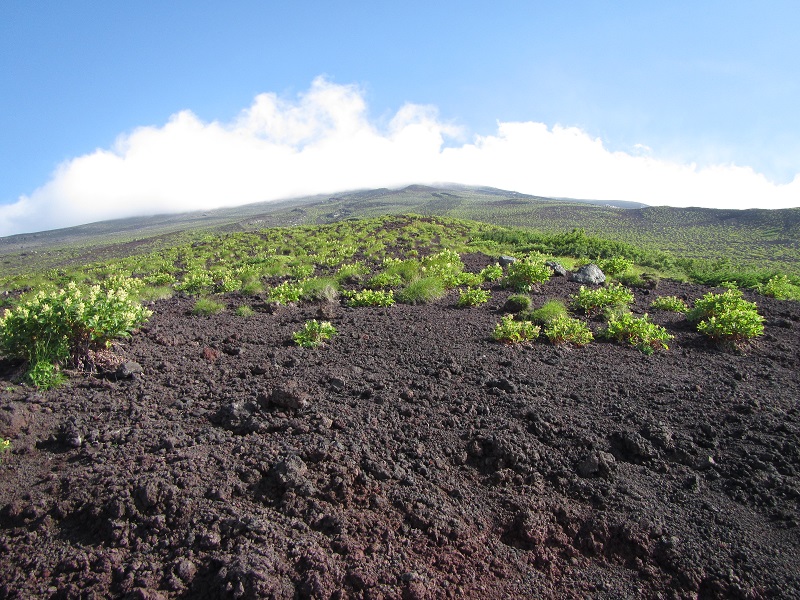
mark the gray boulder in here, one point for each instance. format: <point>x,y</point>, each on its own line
<point>590,274</point>
<point>557,268</point>
<point>504,261</point>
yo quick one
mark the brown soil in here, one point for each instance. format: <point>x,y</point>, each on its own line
<point>411,457</point>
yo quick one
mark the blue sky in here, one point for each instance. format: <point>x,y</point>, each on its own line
<point>112,109</point>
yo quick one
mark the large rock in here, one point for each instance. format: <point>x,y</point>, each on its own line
<point>590,274</point>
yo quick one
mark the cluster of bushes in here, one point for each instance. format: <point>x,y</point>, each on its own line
<point>56,329</point>
<point>559,327</point>
<point>59,329</point>
<point>725,318</point>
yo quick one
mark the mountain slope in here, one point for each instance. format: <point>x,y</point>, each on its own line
<point>749,237</point>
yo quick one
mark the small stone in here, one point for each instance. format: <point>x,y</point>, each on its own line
<point>128,369</point>
<point>210,354</point>
<point>232,350</point>
<point>506,260</point>
<point>289,395</point>
<point>597,463</point>
<point>185,569</point>
<point>557,268</point>
<point>705,463</point>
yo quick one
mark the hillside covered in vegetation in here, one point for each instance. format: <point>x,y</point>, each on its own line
<point>751,239</point>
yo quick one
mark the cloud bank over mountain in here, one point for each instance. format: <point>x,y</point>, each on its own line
<point>325,141</point>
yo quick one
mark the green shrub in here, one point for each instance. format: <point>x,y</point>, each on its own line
<point>44,373</point>
<point>52,329</point>
<point>159,279</point>
<point>509,331</point>
<point>370,298</point>
<point>492,273</point>
<point>300,272</point>
<point>639,332</point>
<point>445,265</point>
<point>614,266</point>
<point>615,311</point>
<point>227,285</point>
<point>385,280</point>
<point>735,325</point>
<point>472,280</point>
<point>408,270</point>
<point>351,273</point>
<point>632,280</point>
<point>523,275</point>
<point>669,303</point>
<point>727,317</point>
<point>320,289</point>
<point>517,303</point>
<point>314,333</point>
<point>714,305</point>
<point>195,281</point>
<point>5,445</point>
<point>207,306</point>
<point>781,288</point>
<point>252,287</point>
<point>244,311</point>
<point>550,310</point>
<point>473,297</point>
<point>422,291</point>
<point>151,293</point>
<point>563,329</point>
<point>285,293</point>
<point>591,301</point>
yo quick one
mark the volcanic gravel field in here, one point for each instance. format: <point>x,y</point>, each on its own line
<point>411,457</point>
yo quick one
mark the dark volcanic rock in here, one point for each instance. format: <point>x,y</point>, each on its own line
<point>410,457</point>
<point>290,395</point>
<point>557,268</point>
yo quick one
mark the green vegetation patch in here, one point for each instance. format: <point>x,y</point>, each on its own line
<point>60,328</point>
<point>492,273</point>
<point>370,298</point>
<point>207,306</point>
<point>614,266</point>
<point>314,333</point>
<point>780,287</point>
<point>639,332</point>
<point>591,301</point>
<point>727,317</point>
<point>523,275</point>
<point>245,311</point>
<point>549,311</point>
<point>563,329</point>
<point>669,303</point>
<point>285,293</point>
<point>509,331</point>
<point>422,291</point>
<point>473,297</point>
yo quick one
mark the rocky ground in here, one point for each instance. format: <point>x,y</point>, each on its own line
<point>411,457</point>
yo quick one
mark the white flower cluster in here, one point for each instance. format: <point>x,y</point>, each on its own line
<point>96,314</point>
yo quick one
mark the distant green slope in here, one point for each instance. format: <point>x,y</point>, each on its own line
<point>752,238</point>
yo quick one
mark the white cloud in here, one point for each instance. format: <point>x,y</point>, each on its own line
<point>324,142</point>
